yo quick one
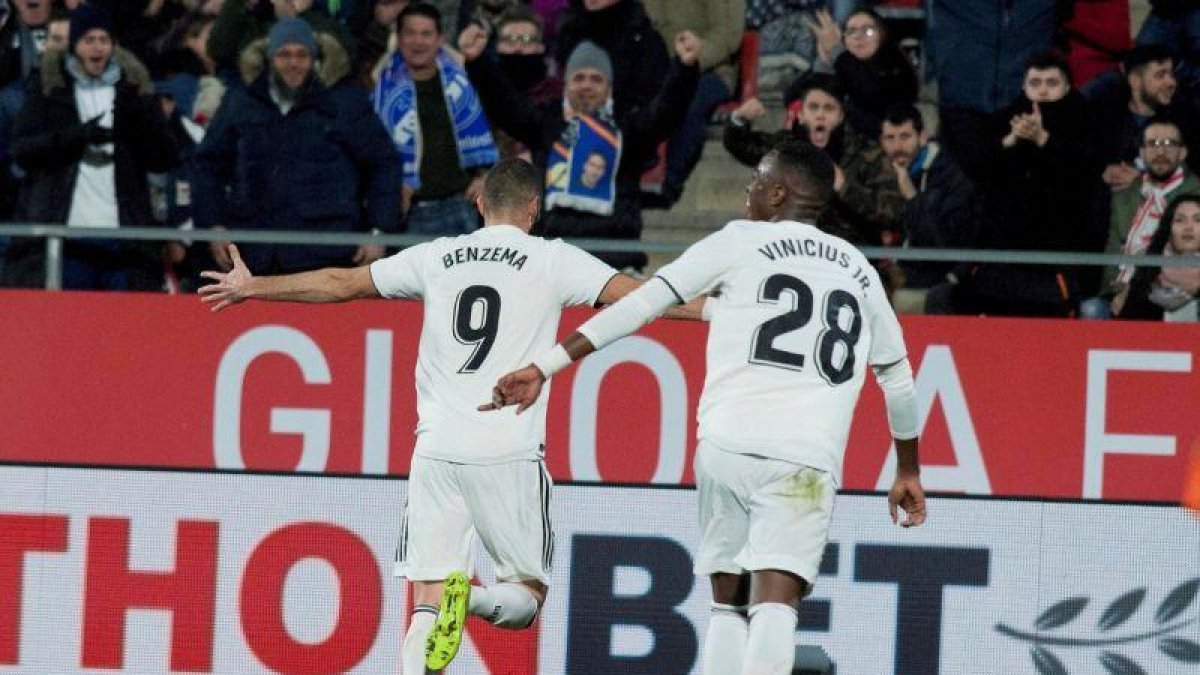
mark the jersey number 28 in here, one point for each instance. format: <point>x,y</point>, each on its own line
<point>764,352</point>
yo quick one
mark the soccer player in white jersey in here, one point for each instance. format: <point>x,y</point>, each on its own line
<point>492,302</point>
<point>796,317</point>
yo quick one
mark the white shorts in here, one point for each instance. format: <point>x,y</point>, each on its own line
<point>507,505</point>
<point>758,513</point>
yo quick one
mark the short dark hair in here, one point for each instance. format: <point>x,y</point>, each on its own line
<point>1051,58</point>
<point>1161,119</point>
<point>520,14</point>
<point>511,184</point>
<point>899,113</point>
<point>808,163</point>
<point>1143,55</point>
<point>420,9</point>
<point>800,87</point>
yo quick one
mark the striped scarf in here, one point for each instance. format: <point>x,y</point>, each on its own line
<point>1145,220</point>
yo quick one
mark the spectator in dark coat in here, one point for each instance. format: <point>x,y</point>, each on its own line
<point>980,48</point>
<point>939,200</point>
<point>22,38</point>
<point>590,91</point>
<point>296,149</point>
<point>86,139</point>
<point>622,29</point>
<point>1046,183</point>
<point>1124,105</point>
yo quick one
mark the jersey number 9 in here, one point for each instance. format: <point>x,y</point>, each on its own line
<point>483,335</point>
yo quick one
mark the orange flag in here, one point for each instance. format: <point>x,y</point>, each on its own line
<point>1191,484</point>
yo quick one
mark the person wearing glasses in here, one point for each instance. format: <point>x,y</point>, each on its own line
<point>1138,209</point>
<point>520,53</point>
<point>869,67</point>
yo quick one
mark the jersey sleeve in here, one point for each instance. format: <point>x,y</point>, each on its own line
<point>579,277</point>
<point>887,338</point>
<point>701,266</point>
<point>401,275</point>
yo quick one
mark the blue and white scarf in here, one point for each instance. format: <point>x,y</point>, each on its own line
<point>395,101</point>
<point>581,171</point>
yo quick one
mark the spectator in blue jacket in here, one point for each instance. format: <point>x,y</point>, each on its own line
<point>298,148</point>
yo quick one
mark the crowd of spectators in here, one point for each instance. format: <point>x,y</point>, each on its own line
<point>1046,125</point>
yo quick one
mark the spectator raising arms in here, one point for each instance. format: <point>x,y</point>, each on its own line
<point>623,30</point>
<point>867,203</point>
<point>86,137</point>
<point>870,68</point>
<point>593,152</point>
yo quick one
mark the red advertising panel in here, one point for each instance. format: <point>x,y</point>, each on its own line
<point>1012,407</point>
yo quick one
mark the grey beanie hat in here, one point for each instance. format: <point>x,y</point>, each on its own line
<point>291,31</point>
<point>589,55</point>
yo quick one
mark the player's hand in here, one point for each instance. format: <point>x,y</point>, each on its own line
<point>907,494</point>
<point>687,47</point>
<point>230,287</point>
<point>472,41</point>
<point>520,388</point>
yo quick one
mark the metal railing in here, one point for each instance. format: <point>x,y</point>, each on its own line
<point>56,234</point>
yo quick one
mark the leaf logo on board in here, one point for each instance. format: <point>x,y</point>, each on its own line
<point>1112,631</point>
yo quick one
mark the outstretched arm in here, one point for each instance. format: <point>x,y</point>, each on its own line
<point>331,284</point>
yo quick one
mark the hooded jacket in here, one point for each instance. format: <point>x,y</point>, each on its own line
<point>311,169</point>
<point>49,143</point>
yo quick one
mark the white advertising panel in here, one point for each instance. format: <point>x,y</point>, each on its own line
<point>149,572</point>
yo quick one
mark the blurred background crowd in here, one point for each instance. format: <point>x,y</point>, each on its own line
<point>1042,125</point>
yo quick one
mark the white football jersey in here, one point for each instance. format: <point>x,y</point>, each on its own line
<point>799,316</point>
<point>492,304</point>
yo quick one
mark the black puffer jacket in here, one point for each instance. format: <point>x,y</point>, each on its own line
<point>49,144</point>
<point>1042,196</point>
<point>328,165</point>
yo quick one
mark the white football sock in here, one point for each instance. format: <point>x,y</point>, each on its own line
<point>504,605</point>
<point>771,643</point>
<point>724,641</point>
<point>420,625</point>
